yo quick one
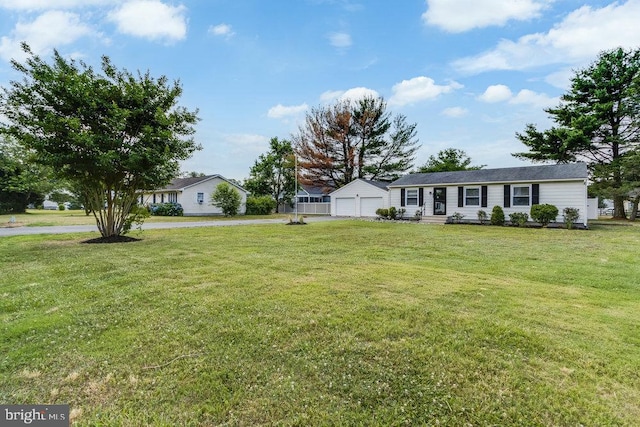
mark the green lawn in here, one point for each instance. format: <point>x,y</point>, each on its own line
<point>40,218</point>
<point>339,323</point>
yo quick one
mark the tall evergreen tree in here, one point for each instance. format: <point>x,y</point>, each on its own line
<point>350,140</point>
<point>598,121</point>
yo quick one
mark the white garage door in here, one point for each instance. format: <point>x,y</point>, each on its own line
<point>369,205</point>
<point>346,206</point>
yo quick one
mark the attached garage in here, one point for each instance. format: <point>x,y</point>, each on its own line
<point>359,198</point>
<point>369,205</point>
<point>345,206</point>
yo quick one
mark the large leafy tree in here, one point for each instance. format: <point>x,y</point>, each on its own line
<point>21,182</point>
<point>111,134</point>
<point>273,173</point>
<point>597,121</point>
<point>350,140</point>
<point>447,160</point>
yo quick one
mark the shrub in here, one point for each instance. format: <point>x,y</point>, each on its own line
<point>137,216</point>
<point>401,212</point>
<point>261,205</point>
<point>457,217</point>
<point>418,215</point>
<point>166,209</point>
<point>571,215</point>
<point>544,214</point>
<point>518,218</point>
<point>382,212</point>
<point>226,198</point>
<point>497,216</point>
<point>482,216</point>
<point>392,212</point>
<point>61,206</point>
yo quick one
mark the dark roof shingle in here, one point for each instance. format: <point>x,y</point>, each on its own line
<point>502,175</point>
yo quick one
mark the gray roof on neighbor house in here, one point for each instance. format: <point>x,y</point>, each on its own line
<point>380,184</point>
<point>560,172</point>
<point>182,183</point>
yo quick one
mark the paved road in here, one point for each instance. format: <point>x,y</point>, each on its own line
<point>16,231</point>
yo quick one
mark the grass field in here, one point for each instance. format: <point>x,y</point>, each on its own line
<point>339,323</point>
<point>41,218</point>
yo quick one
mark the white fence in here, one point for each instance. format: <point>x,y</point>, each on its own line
<point>309,208</point>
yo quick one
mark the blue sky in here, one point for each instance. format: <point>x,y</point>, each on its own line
<point>470,73</point>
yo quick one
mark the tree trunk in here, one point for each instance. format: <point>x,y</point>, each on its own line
<point>618,208</point>
<point>634,209</point>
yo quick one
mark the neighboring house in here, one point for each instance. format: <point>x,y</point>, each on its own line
<point>360,198</point>
<point>441,194</point>
<point>311,200</point>
<point>194,194</point>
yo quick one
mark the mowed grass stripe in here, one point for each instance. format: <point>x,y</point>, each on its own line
<point>331,323</point>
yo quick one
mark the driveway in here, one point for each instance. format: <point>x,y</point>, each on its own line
<point>59,229</point>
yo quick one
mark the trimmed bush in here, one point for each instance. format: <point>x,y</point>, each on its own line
<point>544,214</point>
<point>457,217</point>
<point>518,218</point>
<point>166,209</point>
<point>401,212</point>
<point>497,216</point>
<point>571,215</point>
<point>382,212</point>
<point>392,212</point>
<point>261,205</point>
<point>482,216</point>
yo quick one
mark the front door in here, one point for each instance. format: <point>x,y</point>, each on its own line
<point>440,201</point>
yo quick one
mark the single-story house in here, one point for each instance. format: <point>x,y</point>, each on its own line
<point>360,198</point>
<point>515,189</point>
<point>194,194</point>
<point>311,200</point>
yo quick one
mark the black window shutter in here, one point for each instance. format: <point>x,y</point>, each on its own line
<point>483,196</point>
<point>460,197</point>
<point>507,196</point>
<point>535,194</point>
<point>402,197</point>
<point>421,196</point>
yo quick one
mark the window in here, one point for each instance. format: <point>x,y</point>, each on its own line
<point>472,196</point>
<point>521,195</point>
<point>154,198</point>
<point>173,197</point>
<point>412,197</point>
<point>200,197</point>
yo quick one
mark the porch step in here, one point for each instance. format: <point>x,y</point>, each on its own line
<point>434,219</point>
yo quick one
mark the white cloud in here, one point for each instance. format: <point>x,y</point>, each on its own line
<point>151,19</point>
<point>340,40</point>
<point>529,97</point>
<point>48,4</point>
<point>223,30</point>
<point>496,93</point>
<point>351,95</point>
<point>455,112</point>
<point>280,111</point>
<point>49,30</point>
<point>578,39</point>
<point>331,95</point>
<point>462,15</point>
<point>419,89</point>
<point>502,93</point>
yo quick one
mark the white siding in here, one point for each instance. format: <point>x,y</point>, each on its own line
<point>188,198</point>
<point>357,190</point>
<point>560,194</point>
